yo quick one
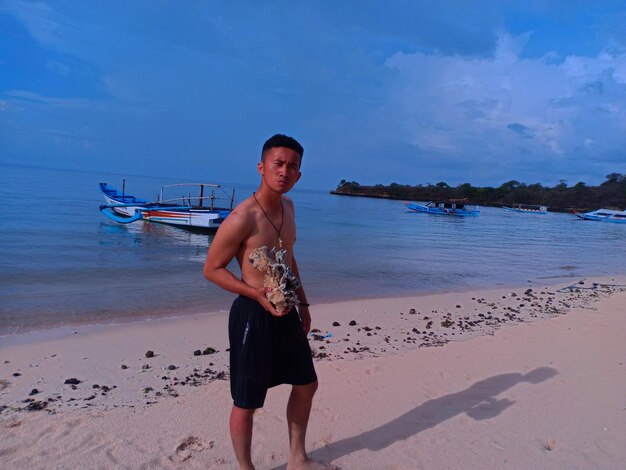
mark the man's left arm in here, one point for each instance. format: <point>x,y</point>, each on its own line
<point>303,310</point>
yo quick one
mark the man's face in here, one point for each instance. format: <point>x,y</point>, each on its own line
<point>280,168</point>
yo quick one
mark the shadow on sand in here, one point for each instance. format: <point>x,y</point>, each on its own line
<point>478,401</point>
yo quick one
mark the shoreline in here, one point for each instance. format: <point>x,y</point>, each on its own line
<point>50,331</point>
<point>375,364</point>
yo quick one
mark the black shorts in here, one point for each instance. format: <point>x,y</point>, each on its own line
<point>265,351</point>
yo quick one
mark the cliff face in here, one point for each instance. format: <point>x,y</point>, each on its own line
<point>610,194</point>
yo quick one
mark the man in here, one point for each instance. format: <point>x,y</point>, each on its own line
<point>267,347</point>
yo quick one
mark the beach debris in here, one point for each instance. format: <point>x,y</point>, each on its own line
<point>4,384</point>
<point>412,311</point>
<point>209,350</point>
<point>34,391</point>
<point>318,336</point>
<point>16,374</point>
<point>149,353</point>
<point>171,367</point>
<point>124,366</point>
<point>352,323</point>
<point>36,405</point>
<point>336,323</point>
<point>72,381</point>
<point>197,352</point>
<point>278,277</point>
<point>550,444</point>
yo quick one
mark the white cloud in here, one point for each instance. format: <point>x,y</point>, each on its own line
<point>505,108</point>
<point>25,96</point>
<point>41,21</point>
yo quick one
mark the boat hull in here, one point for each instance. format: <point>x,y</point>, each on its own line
<point>210,219</point>
<point>525,211</point>
<point>438,211</point>
<point>603,215</point>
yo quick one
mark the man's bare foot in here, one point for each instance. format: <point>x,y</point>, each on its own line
<point>310,464</point>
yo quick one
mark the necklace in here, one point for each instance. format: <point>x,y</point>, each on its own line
<point>282,218</point>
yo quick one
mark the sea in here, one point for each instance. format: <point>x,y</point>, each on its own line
<point>63,263</point>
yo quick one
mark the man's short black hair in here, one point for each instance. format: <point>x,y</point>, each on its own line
<point>280,140</point>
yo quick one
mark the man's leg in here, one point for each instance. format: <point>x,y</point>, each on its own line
<point>241,434</point>
<point>298,411</point>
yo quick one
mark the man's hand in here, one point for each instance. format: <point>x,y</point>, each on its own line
<point>267,305</point>
<point>305,316</point>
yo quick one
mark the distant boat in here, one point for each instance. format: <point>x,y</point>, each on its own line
<point>198,209</point>
<point>457,207</point>
<point>527,208</point>
<point>604,215</point>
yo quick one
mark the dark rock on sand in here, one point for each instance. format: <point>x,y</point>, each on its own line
<point>352,323</point>
<point>336,323</point>
<point>124,366</point>
<point>149,353</point>
<point>34,391</point>
<point>171,367</point>
<point>36,405</point>
<point>197,352</point>
<point>412,311</point>
<point>209,351</point>
<point>72,381</point>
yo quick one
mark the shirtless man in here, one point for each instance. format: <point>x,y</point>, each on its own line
<point>267,347</point>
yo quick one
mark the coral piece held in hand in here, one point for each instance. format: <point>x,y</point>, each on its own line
<point>278,276</point>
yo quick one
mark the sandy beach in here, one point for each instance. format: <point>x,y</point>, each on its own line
<point>526,377</point>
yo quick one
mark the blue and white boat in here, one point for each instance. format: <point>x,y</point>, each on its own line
<point>603,215</point>
<point>198,209</point>
<point>527,209</point>
<point>456,207</point>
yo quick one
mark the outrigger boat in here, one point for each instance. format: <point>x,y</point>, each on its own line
<point>456,207</point>
<point>199,211</point>
<point>527,208</point>
<point>603,215</point>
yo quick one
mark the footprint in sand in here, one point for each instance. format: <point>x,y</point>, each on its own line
<point>191,445</point>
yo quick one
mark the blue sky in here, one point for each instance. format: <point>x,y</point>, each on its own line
<point>376,91</point>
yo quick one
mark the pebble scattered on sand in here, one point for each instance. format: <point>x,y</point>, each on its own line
<point>457,321</point>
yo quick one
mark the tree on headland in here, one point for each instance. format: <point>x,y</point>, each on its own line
<point>610,194</point>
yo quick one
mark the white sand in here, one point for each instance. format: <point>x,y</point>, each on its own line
<point>547,393</point>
